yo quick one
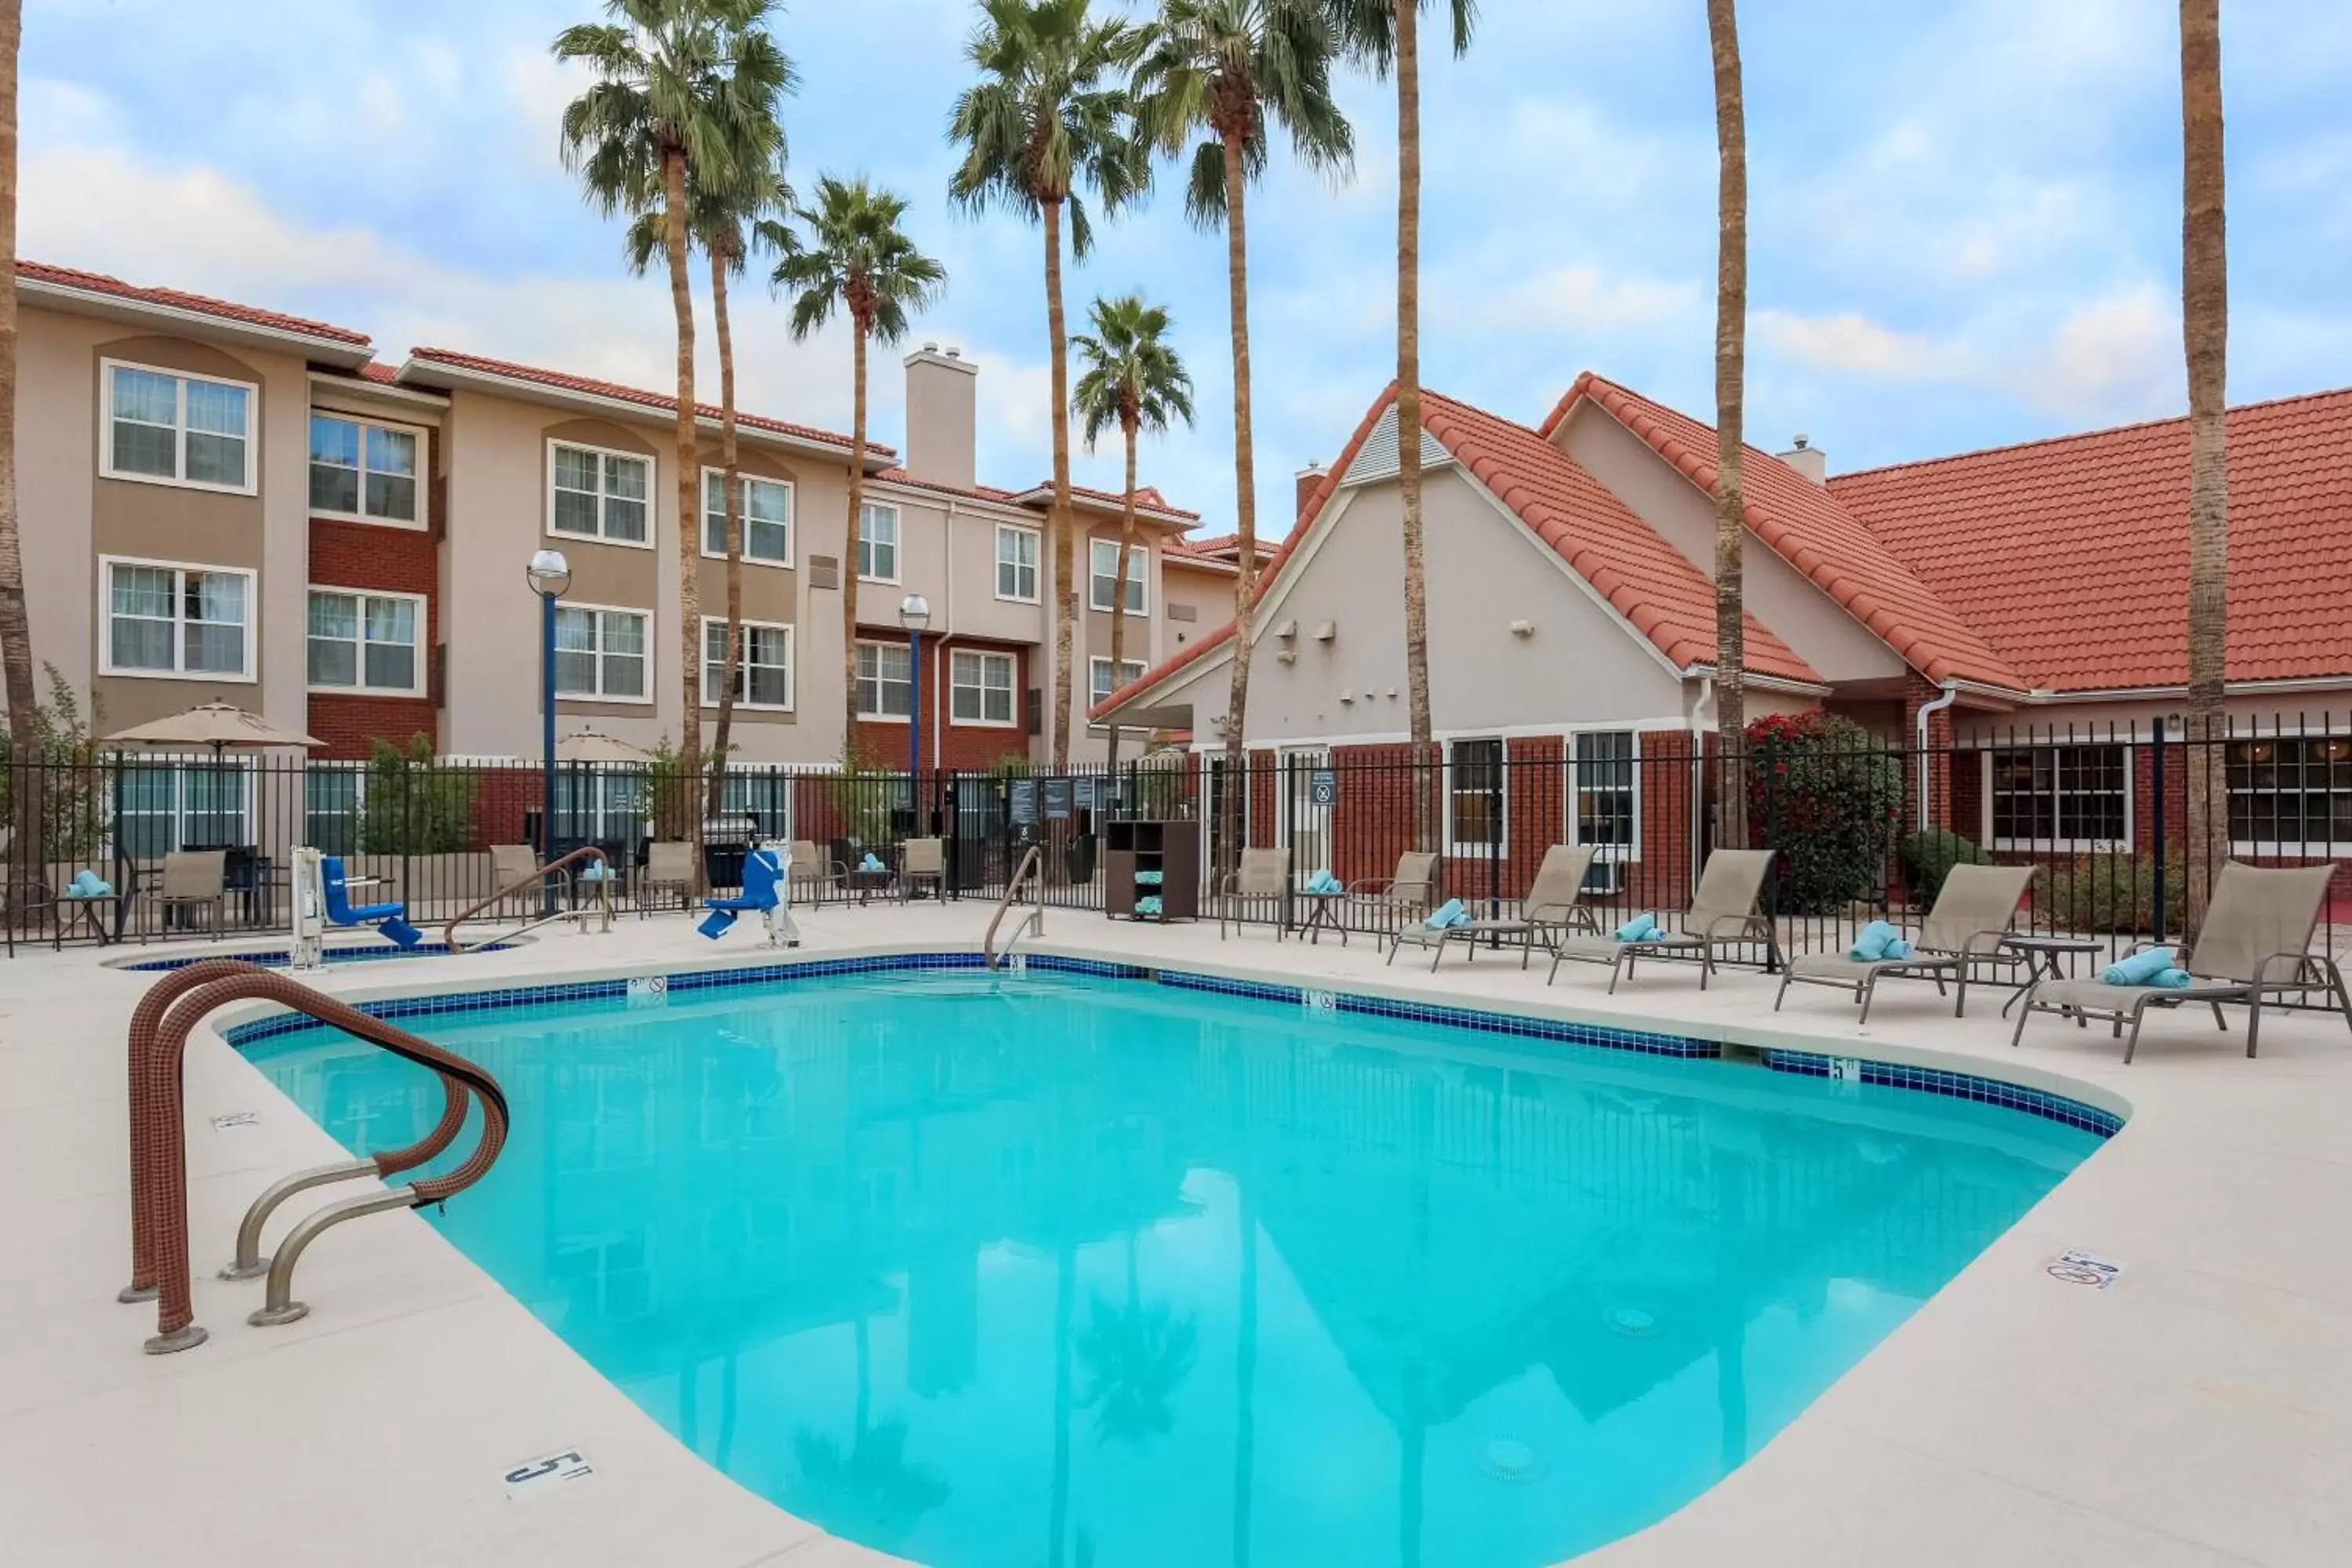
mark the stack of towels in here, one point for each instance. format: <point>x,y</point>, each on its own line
<point>1448,915</point>
<point>1148,908</point>
<point>596,871</point>
<point>1877,942</point>
<point>1324,882</point>
<point>1641,928</point>
<point>872,863</point>
<point>2157,966</point>
<point>1149,878</point>
<point>88,884</point>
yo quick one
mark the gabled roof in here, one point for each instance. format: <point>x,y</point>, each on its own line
<point>1805,525</point>
<point>2073,555</point>
<point>1148,501</point>
<point>99,283</point>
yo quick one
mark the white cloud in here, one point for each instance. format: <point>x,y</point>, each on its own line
<point>1854,345</point>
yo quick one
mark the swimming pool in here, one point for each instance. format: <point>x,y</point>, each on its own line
<point>1066,1268</point>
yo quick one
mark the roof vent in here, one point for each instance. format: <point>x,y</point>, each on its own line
<point>955,354</point>
<point>934,347</point>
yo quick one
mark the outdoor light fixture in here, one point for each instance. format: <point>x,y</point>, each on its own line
<point>548,573</point>
<point>914,613</point>
<point>548,576</point>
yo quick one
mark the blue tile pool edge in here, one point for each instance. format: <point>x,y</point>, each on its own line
<point>1972,1087</point>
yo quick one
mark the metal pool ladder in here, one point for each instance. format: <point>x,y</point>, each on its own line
<point>159,1027</point>
<point>1033,916</point>
<point>537,878</point>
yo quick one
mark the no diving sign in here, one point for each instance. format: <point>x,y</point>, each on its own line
<point>2079,1268</point>
<point>1323,787</point>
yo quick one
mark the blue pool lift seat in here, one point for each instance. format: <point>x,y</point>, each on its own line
<point>389,919</point>
<point>764,882</point>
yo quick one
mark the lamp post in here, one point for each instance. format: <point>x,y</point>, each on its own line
<point>548,576</point>
<point>915,614</point>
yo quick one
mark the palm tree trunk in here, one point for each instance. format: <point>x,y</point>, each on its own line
<point>1245,505</point>
<point>1128,423</point>
<point>722,739</point>
<point>850,750</point>
<point>1730,393</point>
<point>2205,333</point>
<point>1407,405</point>
<point>1065,581</point>
<point>15,630</point>
<point>689,470</point>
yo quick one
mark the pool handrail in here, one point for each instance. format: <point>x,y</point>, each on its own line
<point>523,885</point>
<point>1032,919</point>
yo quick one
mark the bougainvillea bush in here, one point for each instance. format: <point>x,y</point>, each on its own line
<point>1828,796</point>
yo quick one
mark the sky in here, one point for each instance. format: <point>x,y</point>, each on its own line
<point>1964,214</point>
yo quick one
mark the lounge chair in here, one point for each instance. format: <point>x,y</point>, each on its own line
<point>1410,894</point>
<point>1553,908</point>
<point>1972,914</point>
<point>669,865</point>
<point>2256,943</point>
<point>195,880</point>
<point>922,860</point>
<point>809,874</point>
<point>1263,874</point>
<point>1722,914</point>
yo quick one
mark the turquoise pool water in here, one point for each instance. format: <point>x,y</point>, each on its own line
<point>1070,1271</point>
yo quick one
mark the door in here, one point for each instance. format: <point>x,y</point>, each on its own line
<point>1305,828</point>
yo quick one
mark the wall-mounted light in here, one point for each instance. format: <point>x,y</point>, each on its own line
<point>1523,628</point>
<point>1326,632</point>
<point>1286,656</point>
<point>1287,631</point>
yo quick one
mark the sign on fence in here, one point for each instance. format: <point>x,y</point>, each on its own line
<point>1020,801</point>
<point>1059,799</point>
<point>1085,794</point>
<point>1323,786</point>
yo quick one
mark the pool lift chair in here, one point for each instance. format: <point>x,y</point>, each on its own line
<point>766,893</point>
<point>323,899</point>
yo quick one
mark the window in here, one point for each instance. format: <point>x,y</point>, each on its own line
<point>168,428</point>
<point>2060,795</point>
<point>763,795</point>
<point>601,653</point>
<point>981,687</point>
<point>2288,793</point>
<point>602,804</point>
<point>1103,586</point>
<point>1607,813</point>
<point>363,470</point>
<point>877,543</point>
<point>763,675</point>
<point>767,513</point>
<point>331,797</point>
<point>886,680</point>
<point>1016,563</point>
<point>182,804</point>
<point>1473,797</point>
<point>1100,685</point>
<point>178,620</point>
<point>365,642</point>
<point>597,494</point>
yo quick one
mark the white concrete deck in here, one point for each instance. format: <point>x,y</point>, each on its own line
<point>2199,1412</point>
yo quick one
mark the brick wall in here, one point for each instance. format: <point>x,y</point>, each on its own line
<point>974,748</point>
<point>1917,692</point>
<point>397,560</point>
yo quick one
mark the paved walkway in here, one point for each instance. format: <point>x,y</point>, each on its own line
<point>2199,1412</point>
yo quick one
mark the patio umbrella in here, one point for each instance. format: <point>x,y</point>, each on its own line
<point>219,725</point>
<point>588,746</point>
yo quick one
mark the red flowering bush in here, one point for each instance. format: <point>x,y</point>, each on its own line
<point>1828,796</point>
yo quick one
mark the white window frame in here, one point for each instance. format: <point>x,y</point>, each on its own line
<point>175,479</point>
<point>1457,849</point>
<point>653,498</point>
<point>1139,576</point>
<point>898,542</point>
<point>2066,846</point>
<point>791,666</point>
<point>1035,565</point>
<point>1602,852</point>
<point>251,674</point>
<point>2283,848</point>
<point>1012,666</point>
<point>423,520</point>
<point>791,518</point>
<point>178,766</point>
<point>866,715</point>
<point>422,646</point>
<point>1101,661</point>
<point>651,655</point>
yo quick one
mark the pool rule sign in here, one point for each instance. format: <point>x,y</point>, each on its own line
<point>1060,796</point>
<point>1020,801</point>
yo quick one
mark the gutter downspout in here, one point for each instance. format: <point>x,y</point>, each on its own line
<point>1928,711</point>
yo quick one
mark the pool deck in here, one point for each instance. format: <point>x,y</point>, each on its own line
<point>2199,1411</point>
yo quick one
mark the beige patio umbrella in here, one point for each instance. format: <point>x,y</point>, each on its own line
<point>219,725</point>
<point>588,746</point>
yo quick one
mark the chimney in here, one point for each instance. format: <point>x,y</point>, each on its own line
<point>1309,477</point>
<point>1808,460</point>
<point>940,401</point>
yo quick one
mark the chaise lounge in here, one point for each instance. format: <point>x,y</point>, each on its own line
<point>1971,917</point>
<point>1723,913</point>
<point>1554,905</point>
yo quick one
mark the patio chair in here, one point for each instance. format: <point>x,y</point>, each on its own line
<point>1723,913</point>
<point>1262,874</point>
<point>1972,914</point>
<point>1553,907</point>
<point>922,860</point>
<point>2256,943</point>
<point>1407,896</point>
<point>195,880</point>
<point>809,874</point>
<point>669,866</point>
<point>510,863</point>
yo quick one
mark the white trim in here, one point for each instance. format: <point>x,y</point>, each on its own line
<point>2128,843</point>
<point>423,522</point>
<point>1013,687</point>
<point>863,716</point>
<point>118,307</point>
<point>792,519</point>
<point>1139,581</point>
<point>652,662</point>
<point>898,542</point>
<point>652,503</point>
<point>1573,786</point>
<point>1036,563</point>
<point>422,647</point>
<point>1466,849</point>
<point>791,666</point>
<point>176,479</point>
<point>106,666</point>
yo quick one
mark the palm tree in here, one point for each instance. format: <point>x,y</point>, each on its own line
<point>2205,334</point>
<point>1218,70</point>
<point>15,630</point>
<point>1134,380</point>
<point>680,85</point>
<point>850,254</point>
<point>1730,395</point>
<point>726,225</point>
<point>1046,117</point>
<point>1385,34</point>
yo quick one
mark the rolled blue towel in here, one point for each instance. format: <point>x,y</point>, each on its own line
<point>871,863</point>
<point>1150,906</point>
<point>1871,942</point>
<point>2174,979</point>
<point>1640,928</point>
<point>1449,913</point>
<point>1322,882</point>
<point>85,885</point>
<point>596,871</point>
<point>1149,878</point>
<point>1898,949</point>
<point>2139,969</point>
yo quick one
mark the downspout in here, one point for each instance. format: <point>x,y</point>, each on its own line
<point>1928,711</point>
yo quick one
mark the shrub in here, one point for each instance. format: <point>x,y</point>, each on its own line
<point>1828,796</point>
<point>1929,857</point>
<point>413,804</point>
<point>2102,893</point>
<point>71,780</point>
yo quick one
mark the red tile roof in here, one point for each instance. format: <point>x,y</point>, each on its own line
<point>977,492</point>
<point>1145,497</point>
<point>657,401</point>
<point>1805,525</point>
<point>173,299</point>
<point>2073,555</point>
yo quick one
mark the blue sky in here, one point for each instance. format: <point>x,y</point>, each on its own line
<point>1965,213</point>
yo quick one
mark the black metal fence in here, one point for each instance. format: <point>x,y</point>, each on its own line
<point>2121,829</point>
